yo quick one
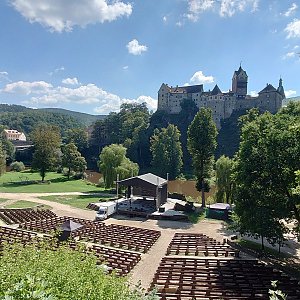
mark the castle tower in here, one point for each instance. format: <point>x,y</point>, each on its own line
<point>280,89</point>
<point>239,82</point>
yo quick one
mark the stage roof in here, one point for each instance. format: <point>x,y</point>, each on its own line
<point>144,180</point>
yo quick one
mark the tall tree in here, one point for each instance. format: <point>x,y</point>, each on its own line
<point>79,137</point>
<point>113,160</point>
<point>72,159</point>
<point>2,159</point>
<point>202,134</point>
<point>224,180</point>
<point>166,151</point>
<point>47,142</point>
<point>265,176</point>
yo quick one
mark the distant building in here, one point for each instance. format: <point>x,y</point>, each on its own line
<point>222,104</point>
<point>14,135</point>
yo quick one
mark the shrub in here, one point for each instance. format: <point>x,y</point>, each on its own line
<point>62,274</point>
<point>17,166</point>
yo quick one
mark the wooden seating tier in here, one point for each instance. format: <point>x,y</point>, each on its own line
<point>52,224</point>
<point>198,244</point>
<point>122,262</point>
<point>126,237</point>
<point>14,216</point>
<point>190,278</point>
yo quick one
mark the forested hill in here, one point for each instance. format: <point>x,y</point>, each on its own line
<point>25,119</point>
<point>85,119</point>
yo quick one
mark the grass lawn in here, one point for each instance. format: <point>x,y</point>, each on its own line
<point>2,200</point>
<point>27,182</point>
<point>257,247</point>
<point>79,201</point>
<point>26,204</point>
<point>196,217</point>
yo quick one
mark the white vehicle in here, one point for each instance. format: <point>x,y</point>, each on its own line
<point>106,209</point>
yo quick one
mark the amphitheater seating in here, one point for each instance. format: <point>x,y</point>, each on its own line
<point>198,244</point>
<point>126,237</point>
<point>51,224</point>
<point>116,260</point>
<point>190,278</point>
<point>13,216</point>
<point>11,235</point>
<point>122,262</point>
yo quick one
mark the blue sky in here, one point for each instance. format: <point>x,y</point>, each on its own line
<point>91,56</point>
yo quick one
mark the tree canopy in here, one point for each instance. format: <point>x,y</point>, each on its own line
<point>265,172</point>
<point>41,273</point>
<point>2,159</point>
<point>72,159</point>
<point>166,151</point>
<point>201,144</point>
<point>113,161</point>
<point>224,179</point>
<point>47,143</point>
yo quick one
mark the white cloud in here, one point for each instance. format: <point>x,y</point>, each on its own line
<point>289,55</point>
<point>253,94</point>
<point>230,7</point>
<point>290,93</point>
<point>293,29</point>
<point>70,81</point>
<point>27,88</point>
<point>62,68</point>
<point>45,94</point>
<point>225,8</point>
<point>135,48</point>
<point>196,7</point>
<point>165,19</point>
<point>291,10</point>
<point>125,67</point>
<point>200,78</point>
<point>4,76</point>
<point>62,15</point>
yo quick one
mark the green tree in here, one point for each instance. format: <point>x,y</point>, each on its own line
<point>224,180</point>
<point>166,151</point>
<point>79,137</point>
<point>72,159</point>
<point>37,272</point>
<point>265,176</point>
<point>2,160</point>
<point>47,142</point>
<point>201,144</point>
<point>113,160</point>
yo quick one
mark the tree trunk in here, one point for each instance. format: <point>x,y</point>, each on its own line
<point>69,171</point>
<point>202,193</point>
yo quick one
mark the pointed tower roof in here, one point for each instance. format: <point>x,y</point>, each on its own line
<point>216,90</point>
<point>239,71</point>
<point>280,88</point>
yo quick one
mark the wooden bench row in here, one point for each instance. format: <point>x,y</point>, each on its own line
<point>187,278</point>
<point>199,245</point>
<point>13,216</point>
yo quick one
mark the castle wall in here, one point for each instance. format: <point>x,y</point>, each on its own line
<point>222,104</point>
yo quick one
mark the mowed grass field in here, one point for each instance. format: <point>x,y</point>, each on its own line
<point>26,204</point>
<point>28,182</point>
<point>79,201</point>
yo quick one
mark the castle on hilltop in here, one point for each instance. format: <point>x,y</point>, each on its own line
<point>222,104</point>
